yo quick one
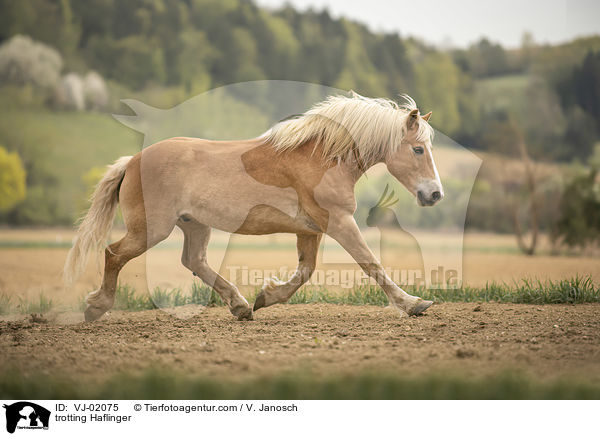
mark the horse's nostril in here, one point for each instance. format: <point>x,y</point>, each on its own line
<point>436,196</point>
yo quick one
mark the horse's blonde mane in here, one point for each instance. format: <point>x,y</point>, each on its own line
<point>372,127</point>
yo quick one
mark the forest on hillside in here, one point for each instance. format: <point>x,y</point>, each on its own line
<point>551,95</point>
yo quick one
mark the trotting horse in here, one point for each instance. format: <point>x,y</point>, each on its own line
<point>298,178</point>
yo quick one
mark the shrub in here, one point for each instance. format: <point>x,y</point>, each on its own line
<point>12,180</point>
<point>24,61</point>
<point>579,223</point>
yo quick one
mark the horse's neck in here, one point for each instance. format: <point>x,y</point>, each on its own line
<point>298,162</point>
<point>356,167</point>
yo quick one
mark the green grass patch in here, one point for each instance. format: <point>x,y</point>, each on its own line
<point>5,304</point>
<point>357,296</point>
<point>158,384</point>
<point>41,304</point>
<point>205,295</point>
<point>568,291</point>
<point>574,290</point>
<point>126,298</point>
<point>526,291</point>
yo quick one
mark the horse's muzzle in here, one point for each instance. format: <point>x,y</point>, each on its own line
<point>429,200</point>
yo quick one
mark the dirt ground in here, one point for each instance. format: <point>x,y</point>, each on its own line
<point>469,339</point>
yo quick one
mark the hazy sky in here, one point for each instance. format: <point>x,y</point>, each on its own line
<point>460,22</point>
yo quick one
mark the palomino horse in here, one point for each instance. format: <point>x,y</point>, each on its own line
<point>298,178</point>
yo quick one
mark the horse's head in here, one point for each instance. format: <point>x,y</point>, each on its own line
<point>381,215</point>
<point>412,162</point>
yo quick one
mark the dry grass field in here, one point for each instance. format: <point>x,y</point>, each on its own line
<point>31,262</point>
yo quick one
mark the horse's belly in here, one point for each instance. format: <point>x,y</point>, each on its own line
<point>263,220</point>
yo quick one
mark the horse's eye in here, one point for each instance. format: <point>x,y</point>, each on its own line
<point>418,150</point>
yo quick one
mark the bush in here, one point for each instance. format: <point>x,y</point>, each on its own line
<point>26,62</point>
<point>579,223</point>
<point>70,93</point>
<point>96,92</point>
<point>12,180</point>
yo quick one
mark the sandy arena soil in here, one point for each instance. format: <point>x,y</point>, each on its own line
<point>464,338</point>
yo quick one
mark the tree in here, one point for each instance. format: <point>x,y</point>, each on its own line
<point>277,45</point>
<point>579,224</point>
<point>580,92</point>
<point>193,61</point>
<point>586,85</point>
<point>438,88</point>
<point>26,62</point>
<point>579,136</point>
<point>487,59</point>
<point>389,55</point>
<point>43,20</point>
<point>12,180</point>
<point>534,207</point>
<point>358,72</point>
<point>134,60</point>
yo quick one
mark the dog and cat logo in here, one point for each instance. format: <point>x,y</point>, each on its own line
<point>26,415</point>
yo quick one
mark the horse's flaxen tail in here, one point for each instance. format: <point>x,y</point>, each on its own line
<point>96,225</point>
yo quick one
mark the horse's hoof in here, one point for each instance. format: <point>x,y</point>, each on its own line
<point>245,314</point>
<point>420,307</point>
<point>93,313</point>
<point>260,301</point>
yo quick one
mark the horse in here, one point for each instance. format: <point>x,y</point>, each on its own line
<point>298,177</point>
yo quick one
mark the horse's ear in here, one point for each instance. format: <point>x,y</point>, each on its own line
<point>413,119</point>
<point>427,116</point>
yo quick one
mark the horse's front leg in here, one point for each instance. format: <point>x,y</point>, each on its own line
<point>276,291</point>
<point>345,231</point>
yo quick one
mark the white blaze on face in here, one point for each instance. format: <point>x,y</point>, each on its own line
<point>430,191</point>
<point>435,170</point>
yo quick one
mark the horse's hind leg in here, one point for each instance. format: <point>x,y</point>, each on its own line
<point>116,256</point>
<point>275,291</point>
<point>134,243</point>
<point>194,258</point>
